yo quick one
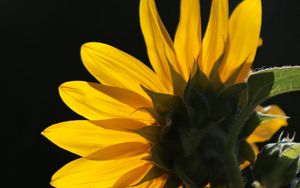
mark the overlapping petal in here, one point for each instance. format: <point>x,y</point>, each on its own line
<point>244,31</point>
<point>95,101</point>
<point>159,44</point>
<point>84,137</point>
<point>155,183</point>
<point>215,36</point>
<point>133,177</point>
<point>187,40</point>
<point>90,173</point>
<point>266,130</point>
<point>116,68</point>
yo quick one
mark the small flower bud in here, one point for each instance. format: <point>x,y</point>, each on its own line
<point>277,163</point>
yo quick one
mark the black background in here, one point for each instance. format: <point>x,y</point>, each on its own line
<point>40,43</point>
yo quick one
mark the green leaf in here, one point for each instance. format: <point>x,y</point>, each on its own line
<point>255,119</point>
<point>151,133</point>
<point>163,103</point>
<point>271,82</point>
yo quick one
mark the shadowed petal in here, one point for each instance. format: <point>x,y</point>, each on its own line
<point>155,183</point>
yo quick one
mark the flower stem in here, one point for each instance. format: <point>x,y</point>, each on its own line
<point>235,179</point>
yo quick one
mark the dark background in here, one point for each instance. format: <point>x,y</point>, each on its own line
<point>40,43</point>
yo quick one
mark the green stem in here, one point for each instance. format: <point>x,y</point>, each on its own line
<point>235,178</point>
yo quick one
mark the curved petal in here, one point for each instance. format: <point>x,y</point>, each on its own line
<point>84,137</point>
<point>93,102</point>
<point>266,130</point>
<point>215,36</point>
<point>133,177</point>
<point>159,44</point>
<point>246,70</point>
<point>244,30</point>
<point>116,68</point>
<point>247,163</point>
<point>155,183</point>
<point>89,173</point>
<point>187,40</point>
<point>120,151</point>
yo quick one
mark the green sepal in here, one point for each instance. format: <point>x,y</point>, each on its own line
<point>246,152</point>
<point>235,94</point>
<point>163,103</point>
<point>231,80</point>
<point>198,97</point>
<point>185,174</point>
<point>292,151</point>
<point>151,133</point>
<point>271,82</point>
<point>200,82</point>
<point>161,157</point>
<point>197,106</point>
<point>153,173</point>
<point>214,75</point>
<point>190,139</point>
<point>159,119</point>
<point>177,81</point>
<point>172,182</point>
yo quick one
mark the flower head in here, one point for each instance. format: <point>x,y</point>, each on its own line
<point>170,126</point>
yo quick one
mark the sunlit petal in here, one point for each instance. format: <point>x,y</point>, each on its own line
<point>244,31</point>
<point>187,40</point>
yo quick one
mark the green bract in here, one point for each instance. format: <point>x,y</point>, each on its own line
<point>203,123</point>
<point>277,164</point>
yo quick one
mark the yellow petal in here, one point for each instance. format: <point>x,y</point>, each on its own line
<point>119,124</point>
<point>89,173</point>
<point>120,151</point>
<point>93,102</point>
<point>187,40</point>
<point>215,35</point>
<point>244,30</point>
<point>155,183</point>
<point>247,163</point>
<point>133,177</point>
<point>116,68</point>
<point>246,70</point>
<point>84,137</point>
<point>159,44</point>
<point>266,130</point>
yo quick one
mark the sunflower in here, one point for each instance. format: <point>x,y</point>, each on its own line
<point>132,135</point>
